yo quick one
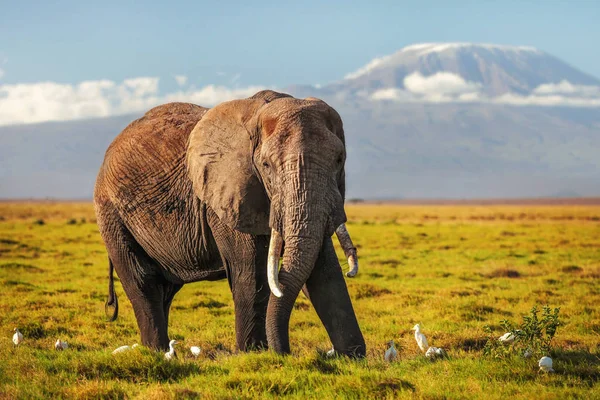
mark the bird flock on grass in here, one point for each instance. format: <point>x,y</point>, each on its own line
<point>390,355</point>
<point>63,345</point>
<point>432,353</point>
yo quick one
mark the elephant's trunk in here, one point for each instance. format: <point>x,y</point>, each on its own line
<point>305,210</point>
<point>299,258</point>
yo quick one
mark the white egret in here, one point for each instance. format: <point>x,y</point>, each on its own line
<point>545,364</point>
<point>60,345</point>
<point>195,351</point>
<point>435,352</point>
<point>420,338</point>
<point>390,353</point>
<point>125,348</point>
<point>430,353</point>
<point>509,337</point>
<point>121,349</point>
<point>331,353</point>
<point>17,337</point>
<point>169,355</point>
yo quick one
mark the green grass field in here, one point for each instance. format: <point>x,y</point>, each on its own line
<point>453,269</point>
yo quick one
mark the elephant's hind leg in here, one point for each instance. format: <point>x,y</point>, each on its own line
<point>150,294</point>
<point>147,289</point>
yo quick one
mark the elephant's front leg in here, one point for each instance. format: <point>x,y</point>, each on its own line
<point>245,260</point>
<point>250,289</point>
<point>327,291</point>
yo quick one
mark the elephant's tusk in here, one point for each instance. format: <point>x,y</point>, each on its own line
<point>349,249</point>
<point>273,262</point>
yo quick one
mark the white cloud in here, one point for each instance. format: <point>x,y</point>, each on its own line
<point>553,100</point>
<point>50,101</point>
<point>391,94</point>
<point>142,86</point>
<point>181,79</point>
<point>447,88</point>
<point>442,87</point>
<point>439,84</point>
<point>211,95</point>
<point>567,88</point>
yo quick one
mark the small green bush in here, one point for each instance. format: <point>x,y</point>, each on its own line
<point>532,338</point>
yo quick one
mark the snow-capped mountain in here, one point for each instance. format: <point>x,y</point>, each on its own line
<point>495,69</point>
<point>468,120</point>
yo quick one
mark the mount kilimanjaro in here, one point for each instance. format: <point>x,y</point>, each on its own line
<point>434,120</point>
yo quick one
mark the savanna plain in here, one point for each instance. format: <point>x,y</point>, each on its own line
<point>458,270</point>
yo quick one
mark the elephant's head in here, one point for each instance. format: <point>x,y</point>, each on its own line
<point>274,164</point>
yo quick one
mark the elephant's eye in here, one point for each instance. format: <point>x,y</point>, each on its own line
<point>340,160</point>
<point>266,164</point>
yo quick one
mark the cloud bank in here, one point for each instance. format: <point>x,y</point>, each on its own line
<point>29,103</point>
<point>446,87</point>
<point>439,83</point>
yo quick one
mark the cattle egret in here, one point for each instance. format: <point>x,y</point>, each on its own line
<point>507,338</point>
<point>331,353</point>
<point>545,364</point>
<point>420,338</point>
<point>60,345</point>
<point>121,349</point>
<point>169,355</point>
<point>441,352</point>
<point>391,353</point>
<point>17,337</point>
<point>125,348</point>
<point>195,351</point>
<point>435,352</point>
<point>430,353</point>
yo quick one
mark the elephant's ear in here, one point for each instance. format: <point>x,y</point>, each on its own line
<point>219,164</point>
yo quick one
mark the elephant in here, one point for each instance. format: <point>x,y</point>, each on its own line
<point>187,193</point>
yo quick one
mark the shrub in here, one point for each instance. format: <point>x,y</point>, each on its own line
<point>532,338</point>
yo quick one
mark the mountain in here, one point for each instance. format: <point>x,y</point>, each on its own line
<point>434,120</point>
<point>496,69</point>
<point>466,120</point>
<point>55,159</point>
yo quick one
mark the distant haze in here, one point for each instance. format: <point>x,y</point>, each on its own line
<point>433,120</point>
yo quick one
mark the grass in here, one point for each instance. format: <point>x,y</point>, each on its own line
<point>453,269</point>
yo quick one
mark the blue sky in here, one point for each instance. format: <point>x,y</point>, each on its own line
<point>77,59</point>
<point>269,42</point>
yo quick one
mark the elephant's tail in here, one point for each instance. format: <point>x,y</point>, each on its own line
<point>112,296</point>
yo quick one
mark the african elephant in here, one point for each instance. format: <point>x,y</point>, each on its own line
<point>187,194</point>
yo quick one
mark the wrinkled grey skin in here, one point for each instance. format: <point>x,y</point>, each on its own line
<point>180,201</point>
